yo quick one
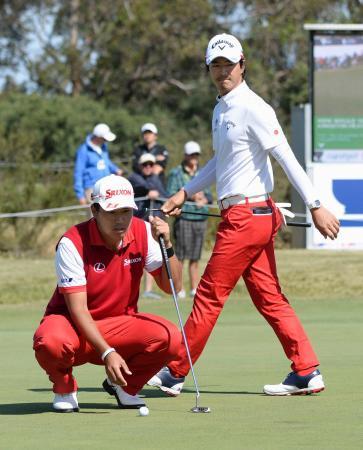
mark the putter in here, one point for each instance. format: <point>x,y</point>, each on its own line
<point>197,408</point>
<point>290,224</point>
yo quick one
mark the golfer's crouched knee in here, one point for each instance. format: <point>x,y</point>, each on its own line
<point>50,349</point>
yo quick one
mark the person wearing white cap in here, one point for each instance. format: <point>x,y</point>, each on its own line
<point>190,229</point>
<point>93,316</point>
<point>150,144</point>
<point>92,162</point>
<point>148,186</point>
<point>245,132</point>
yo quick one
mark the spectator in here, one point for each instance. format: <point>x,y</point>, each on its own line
<point>189,229</point>
<point>150,145</point>
<point>93,162</point>
<point>147,184</point>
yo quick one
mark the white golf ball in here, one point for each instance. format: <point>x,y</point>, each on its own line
<point>144,411</point>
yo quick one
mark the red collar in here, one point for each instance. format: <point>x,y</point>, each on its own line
<point>96,238</point>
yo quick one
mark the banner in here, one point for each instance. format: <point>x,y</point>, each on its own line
<point>340,187</point>
<point>338,97</point>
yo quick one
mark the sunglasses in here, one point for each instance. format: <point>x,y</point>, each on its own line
<point>147,164</point>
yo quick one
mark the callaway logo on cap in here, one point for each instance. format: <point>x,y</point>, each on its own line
<point>113,192</point>
<point>225,46</point>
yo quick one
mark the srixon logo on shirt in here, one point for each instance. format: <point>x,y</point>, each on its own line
<point>128,261</point>
<point>112,192</point>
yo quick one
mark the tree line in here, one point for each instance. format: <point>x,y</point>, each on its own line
<point>66,65</point>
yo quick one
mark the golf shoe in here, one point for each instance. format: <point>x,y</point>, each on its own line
<point>165,381</point>
<point>124,400</point>
<point>66,402</point>
<point>295,384</point>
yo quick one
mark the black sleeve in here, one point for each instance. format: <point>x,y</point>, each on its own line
<point>138,151</point>
<point>155,183</point>
<point>161,150</point>
<point>139,184</point>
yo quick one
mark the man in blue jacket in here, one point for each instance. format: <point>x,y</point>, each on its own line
<point>93,162</point>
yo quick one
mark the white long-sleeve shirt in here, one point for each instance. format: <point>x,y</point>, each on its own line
<point>245,131</point>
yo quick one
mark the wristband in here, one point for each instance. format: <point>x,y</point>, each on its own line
<point>170,252</point>
<point>106,352</point>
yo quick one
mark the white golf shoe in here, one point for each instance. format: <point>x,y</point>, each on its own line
<point>124,400</point>
<point>295,384</point>
<point>66,402</point>
<point>165,381</point>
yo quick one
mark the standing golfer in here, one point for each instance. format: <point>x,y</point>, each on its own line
<point>245,131</point>
<point>93,316</point>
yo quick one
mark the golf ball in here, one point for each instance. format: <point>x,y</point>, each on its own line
<point>144,411</point>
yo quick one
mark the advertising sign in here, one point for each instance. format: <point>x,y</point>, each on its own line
<point>340,187</point>
<point>337,97</point>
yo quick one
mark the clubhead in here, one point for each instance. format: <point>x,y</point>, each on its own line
<point>200,409</point>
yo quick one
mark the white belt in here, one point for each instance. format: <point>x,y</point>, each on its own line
<point>241,200</point>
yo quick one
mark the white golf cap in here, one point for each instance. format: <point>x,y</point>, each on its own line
<point>147,157</point>
<point>103,131</point>
<point>113,192</point>
<point>225,46</point>
<point>149,127</point>
<point>191,148</point>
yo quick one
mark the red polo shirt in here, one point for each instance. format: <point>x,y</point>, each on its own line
<point>112,278</point>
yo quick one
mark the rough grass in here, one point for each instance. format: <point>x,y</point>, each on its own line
<point>306,275</point>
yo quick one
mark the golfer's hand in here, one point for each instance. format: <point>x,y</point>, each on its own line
<point>172,207</point>
<point>115,366</point>
<point>160,227</point>
<point>327,224</point>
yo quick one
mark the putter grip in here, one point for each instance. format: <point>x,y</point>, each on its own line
<point>299,224</point>
<point>165,256</point>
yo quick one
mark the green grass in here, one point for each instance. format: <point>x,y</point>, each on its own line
<point>241,356</point>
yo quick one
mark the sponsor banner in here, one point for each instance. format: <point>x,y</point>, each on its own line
<point>338,139</point>
<point>340,187</point>
<point>338,97</point>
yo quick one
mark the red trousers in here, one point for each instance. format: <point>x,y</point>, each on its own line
<point>146,342</point>
<point>245,247</point>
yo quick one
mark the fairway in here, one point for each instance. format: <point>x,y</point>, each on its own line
<point>241,356</point>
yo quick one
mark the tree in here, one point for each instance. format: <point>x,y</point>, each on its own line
<point>276,45</point>
<point>117,50</point>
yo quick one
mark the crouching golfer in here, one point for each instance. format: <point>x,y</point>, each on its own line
<point>93,316</point>
<point>245,131</point>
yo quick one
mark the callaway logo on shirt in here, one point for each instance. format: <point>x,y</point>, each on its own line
<point>230,124</point>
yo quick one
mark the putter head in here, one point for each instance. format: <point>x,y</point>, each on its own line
<point>200,409</point>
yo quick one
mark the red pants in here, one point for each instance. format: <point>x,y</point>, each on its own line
<point>245,247</point>
<point>145,341</point>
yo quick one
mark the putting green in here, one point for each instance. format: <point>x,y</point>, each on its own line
<point>241,356</point>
